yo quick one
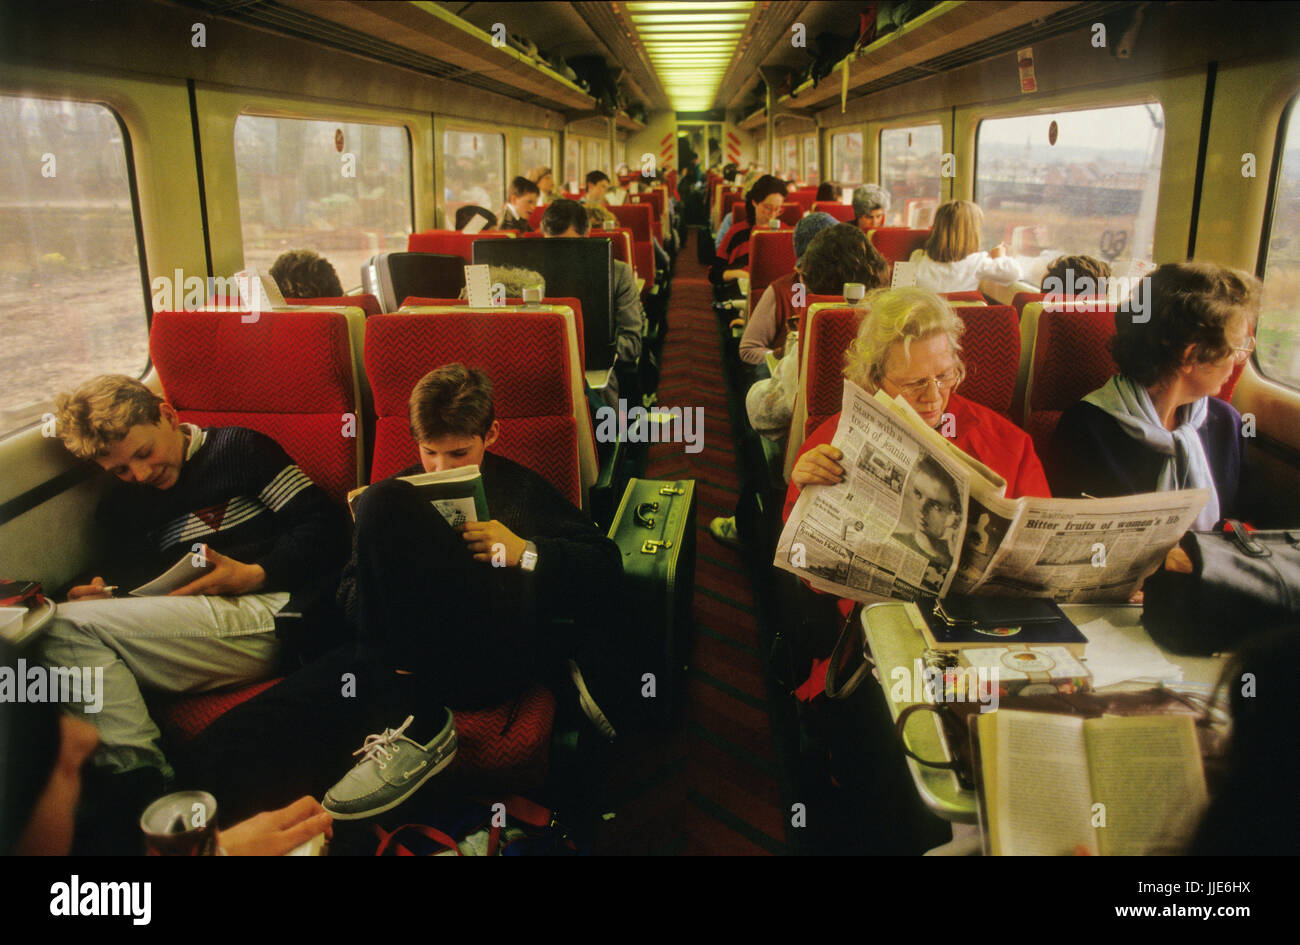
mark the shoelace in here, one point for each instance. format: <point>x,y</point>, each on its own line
<point>376,747</point>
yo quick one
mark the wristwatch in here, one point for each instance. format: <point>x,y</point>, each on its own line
<point>528,560</point>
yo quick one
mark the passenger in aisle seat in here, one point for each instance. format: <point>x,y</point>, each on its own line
<point>763,202</point>
<point>302,274</point>
<point>445,616</point>
<point>952,260</point>
<point>910,344</point>
<point>228,498</point>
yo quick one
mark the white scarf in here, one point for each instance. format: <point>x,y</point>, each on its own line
<point>1186,466</point>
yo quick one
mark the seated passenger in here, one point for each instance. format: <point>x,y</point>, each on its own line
<point>445,616</point>
<point>765,331</point>
<point>597,185</point>
<point>522,201</point>
<point>909,344</point>
<point>838,255</point>
<point>952,260</point>
<point>870,205</point>
<point>469,212</point>
<point>545,181</point>
<point>569,218</point>
<point>1157,425</point>
<point>826,193</point>
<point>274,540</point>
<point>302,274</point>
<point>763,202</point>
<point>1075,275</point>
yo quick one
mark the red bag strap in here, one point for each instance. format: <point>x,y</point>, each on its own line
<point>437,836</point>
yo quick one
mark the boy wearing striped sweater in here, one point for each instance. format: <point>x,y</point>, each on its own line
<point>266,542</point>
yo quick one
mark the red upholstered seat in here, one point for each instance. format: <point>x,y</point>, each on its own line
<point>991,350</point>
<point>639,218</point>
<point>452,242</point>
<point>287,374</point>
<point>364,301</point>
<point>771,255</point>
<point>829,333</point>
<point>535,218</point>
<point>415,301</point>
<point>184,717</point>
<point>897,243</point>
<point>655,198</point>
<point>804,198</point>
<point>791,213</point>
<point>840,211</point>
<point>1021,299</point>
<point>973,295</point>
<point>525,353</point>
<point>510,741</point>
<point>1071,358</point>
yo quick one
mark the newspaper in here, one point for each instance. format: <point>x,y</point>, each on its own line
<point>916,516</point>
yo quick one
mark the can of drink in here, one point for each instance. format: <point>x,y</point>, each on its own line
<point>181,824</point>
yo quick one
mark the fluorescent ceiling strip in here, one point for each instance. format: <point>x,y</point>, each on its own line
<point>664,6</point>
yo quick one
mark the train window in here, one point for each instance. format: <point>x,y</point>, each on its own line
<point>340,188</point>
<point>810,170</point>
<point>534,152</point>
<point>1277,348</point>
<point>572,171</point>
<point>909,170</point>
<point>71,276</point>
<point>597,156</point>
<point>846,158</point>
<point>790,158</point>
<point>473,171</point>
<point>762,154</point>
<point>1074,182</point>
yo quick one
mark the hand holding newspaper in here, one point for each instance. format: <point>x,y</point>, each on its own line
<point>915,515</point>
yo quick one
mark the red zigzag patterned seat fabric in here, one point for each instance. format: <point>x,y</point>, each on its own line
<point>991,350</point>
<point>287,374</point>
<point>185,717</point>
<point>829,334</point>
<point>524,353</point>
<point>897,243</point>
<point>1071,359</point>
<point>491,741</point>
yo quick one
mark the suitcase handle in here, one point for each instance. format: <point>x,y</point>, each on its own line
<point>642,514</point>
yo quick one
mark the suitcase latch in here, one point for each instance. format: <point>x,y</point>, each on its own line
<point>672,490</point>
<point>651,547</point>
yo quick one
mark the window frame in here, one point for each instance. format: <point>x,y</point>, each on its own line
<point>1289,112</point>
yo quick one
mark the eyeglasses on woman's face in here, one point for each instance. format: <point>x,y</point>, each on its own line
<point>913,390</point>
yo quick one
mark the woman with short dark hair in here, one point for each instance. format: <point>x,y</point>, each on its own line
<point>1157,425</point>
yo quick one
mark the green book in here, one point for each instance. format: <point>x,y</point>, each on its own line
<point>457,494</point>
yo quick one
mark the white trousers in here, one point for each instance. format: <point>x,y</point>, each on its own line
<point>170,644</point>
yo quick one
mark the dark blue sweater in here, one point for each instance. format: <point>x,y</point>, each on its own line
<point>1091,453</point>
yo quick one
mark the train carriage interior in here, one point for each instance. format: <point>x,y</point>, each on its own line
<point>669,233</point>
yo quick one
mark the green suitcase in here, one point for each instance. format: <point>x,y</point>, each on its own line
<point>654,528</point>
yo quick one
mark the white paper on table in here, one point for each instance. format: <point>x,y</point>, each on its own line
<point>478,286</point>
<point>1114,655</point>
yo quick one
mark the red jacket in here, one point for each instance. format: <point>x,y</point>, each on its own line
<point>988,436</point>
<point>982,433</point>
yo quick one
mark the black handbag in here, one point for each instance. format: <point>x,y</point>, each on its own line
<point>1242,582</point>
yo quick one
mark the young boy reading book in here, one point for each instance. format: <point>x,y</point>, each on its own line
<point>446,616</point>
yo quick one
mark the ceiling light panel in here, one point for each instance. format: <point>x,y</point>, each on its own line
<point>690,45</point>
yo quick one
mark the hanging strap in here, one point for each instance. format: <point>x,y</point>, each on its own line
<point>437,836</point>
<point>848,634</point>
